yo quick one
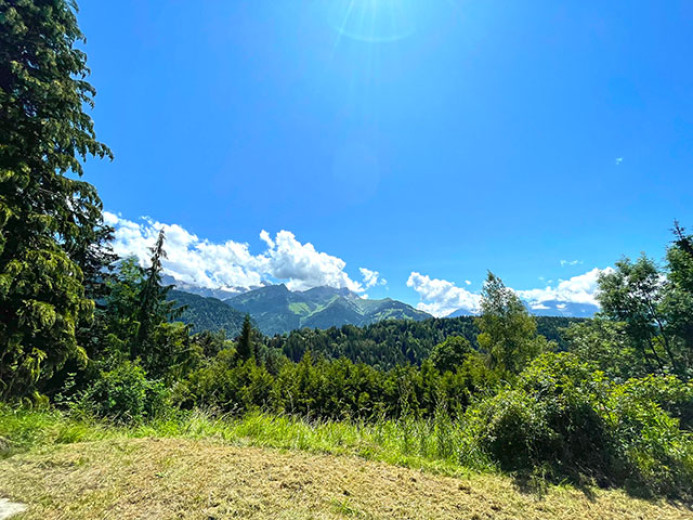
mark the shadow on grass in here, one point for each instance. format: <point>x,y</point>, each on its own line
<point>537,481</point>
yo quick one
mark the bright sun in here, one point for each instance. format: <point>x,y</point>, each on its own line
<point>373,20</point>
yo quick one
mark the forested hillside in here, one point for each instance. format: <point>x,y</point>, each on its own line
<point>395,342</point>
<point>207,313</point>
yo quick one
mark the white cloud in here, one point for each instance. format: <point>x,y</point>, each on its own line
<point>371,278</point>
<point>231,264</point>
<point>468,282</point>
<point>578,289</point>
<point>570,262</point>
<point>440,297</point>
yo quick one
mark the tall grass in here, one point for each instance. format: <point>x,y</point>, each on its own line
<point>439,444</point>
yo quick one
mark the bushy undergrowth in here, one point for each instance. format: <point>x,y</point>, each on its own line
<point>559,418</point>
<point>329,389</point>
<point>571,422</point>
<point>123,394</point>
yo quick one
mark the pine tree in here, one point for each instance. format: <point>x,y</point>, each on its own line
<point>49,220</point>
<point>244,346</point>
<point>155,307</point>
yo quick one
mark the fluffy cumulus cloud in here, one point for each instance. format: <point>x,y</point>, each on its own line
<point>371,278</point>
<point>578,289</point>
<point>440,297</point>
<point>231,264</point>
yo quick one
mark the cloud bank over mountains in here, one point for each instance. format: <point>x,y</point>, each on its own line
<point>441,297</point>
<point>231,264</point>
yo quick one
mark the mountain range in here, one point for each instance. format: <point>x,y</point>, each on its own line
<point>275,309</point>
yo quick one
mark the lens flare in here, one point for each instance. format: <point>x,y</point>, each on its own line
<point>373,21</point>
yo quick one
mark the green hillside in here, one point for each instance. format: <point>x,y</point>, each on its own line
<point>207,313</point>
<point>393,342</point>
<point>277,310</point>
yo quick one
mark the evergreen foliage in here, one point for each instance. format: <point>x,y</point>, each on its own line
<point>395,342</point>
<point>49,220</point>
<point>246,346</point>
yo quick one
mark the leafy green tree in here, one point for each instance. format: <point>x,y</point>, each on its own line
<point>677,304</point>
<point>654,309</point>
<point>508,332</point>
<point>451,353</point>
<point>49,220</point>
<point>632,294</point>
<point>605,345</point>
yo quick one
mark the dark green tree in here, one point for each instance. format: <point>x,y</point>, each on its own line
<point>49,220</point>
<point>245,346</point>
<point>141,324</point>
<point>451,353</point>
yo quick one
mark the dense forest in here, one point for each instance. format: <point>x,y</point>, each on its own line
<point>389,343</point>
<point>609,400</point>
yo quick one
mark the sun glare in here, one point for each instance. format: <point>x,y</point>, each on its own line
<point>373,21</point>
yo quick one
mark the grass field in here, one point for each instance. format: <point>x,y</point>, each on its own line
<point>264,467</point>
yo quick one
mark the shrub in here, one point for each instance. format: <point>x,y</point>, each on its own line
<point>576,424</point>
<point>124,394</point>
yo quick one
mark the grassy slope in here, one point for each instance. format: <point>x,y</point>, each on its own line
<point>183,478</point>
<point>263,467</point>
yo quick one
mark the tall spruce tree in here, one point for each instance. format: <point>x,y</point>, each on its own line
<point>245,346</point>
<point>49,219</point>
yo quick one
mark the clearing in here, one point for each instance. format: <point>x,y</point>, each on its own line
<point>193,479</point>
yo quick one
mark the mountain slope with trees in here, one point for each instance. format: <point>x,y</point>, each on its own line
<point>209,313</point>
<point>277,310</point>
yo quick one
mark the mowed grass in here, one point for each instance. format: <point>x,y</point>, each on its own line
<point>269,467</point>
<point>197,479</point>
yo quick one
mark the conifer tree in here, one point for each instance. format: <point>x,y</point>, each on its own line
<point>49,220</point>
<point>244,347</point>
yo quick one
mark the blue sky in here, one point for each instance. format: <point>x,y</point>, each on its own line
<point>443,137</point>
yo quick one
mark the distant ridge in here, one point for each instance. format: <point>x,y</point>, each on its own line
<point>277,310</point>
<point>208,313</point>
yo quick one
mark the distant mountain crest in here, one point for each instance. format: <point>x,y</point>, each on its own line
<point>277,310</point>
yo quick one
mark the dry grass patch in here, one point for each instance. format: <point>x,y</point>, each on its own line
<point>188,479</point>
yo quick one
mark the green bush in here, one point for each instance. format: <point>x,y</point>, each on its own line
<point>576,424</point>
<point>124,394</point>
<point>226,386</point>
